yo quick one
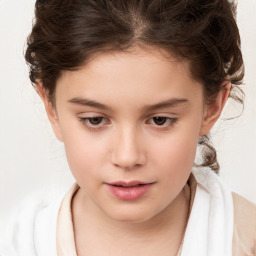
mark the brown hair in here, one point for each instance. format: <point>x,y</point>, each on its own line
<point>67,33</point>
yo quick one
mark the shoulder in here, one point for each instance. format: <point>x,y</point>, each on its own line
<point>31,220</point>
<point>20,226</point>
<point>244,237</point>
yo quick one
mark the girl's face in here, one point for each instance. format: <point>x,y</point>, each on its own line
<point>128,119</point>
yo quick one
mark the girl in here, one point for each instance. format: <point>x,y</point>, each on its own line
<point>132,88</point>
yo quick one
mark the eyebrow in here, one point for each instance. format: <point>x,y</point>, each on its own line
<point>89,103</point>
<point>165,104</point>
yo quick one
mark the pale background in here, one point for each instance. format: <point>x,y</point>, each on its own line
<point>31,157</point>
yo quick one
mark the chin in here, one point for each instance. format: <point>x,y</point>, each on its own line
<point>126,215</point>
<point>132,219</point>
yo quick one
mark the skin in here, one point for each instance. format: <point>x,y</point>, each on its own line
<point>128,144</point>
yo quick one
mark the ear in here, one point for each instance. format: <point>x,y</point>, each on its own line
<point>50,111</point>
<point>213,110</point>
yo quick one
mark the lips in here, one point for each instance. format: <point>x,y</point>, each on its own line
<point>132,190</point>
<point>128,184</point>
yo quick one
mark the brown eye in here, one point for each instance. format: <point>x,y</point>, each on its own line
<point>162,121</point>
<point>159,120</point>
<point>95,120</point>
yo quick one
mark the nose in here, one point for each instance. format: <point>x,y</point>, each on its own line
<point>128,150</point>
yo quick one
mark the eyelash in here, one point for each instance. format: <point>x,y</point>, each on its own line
<point>170,120</point>
<point>86,121</point>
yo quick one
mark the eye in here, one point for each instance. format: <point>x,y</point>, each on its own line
<point>95,122</point>
<point>162,121</point>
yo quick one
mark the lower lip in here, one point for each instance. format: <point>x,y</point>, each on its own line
<point>129,193</point>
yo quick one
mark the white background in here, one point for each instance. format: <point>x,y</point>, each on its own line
<point>31,157</point>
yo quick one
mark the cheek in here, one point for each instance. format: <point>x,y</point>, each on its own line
<point>84,153</point>
<point>176,152</point>
<point>174,160</point>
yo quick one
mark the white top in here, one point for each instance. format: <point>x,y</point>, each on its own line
<point>210,226</point>
<point>44,226</point>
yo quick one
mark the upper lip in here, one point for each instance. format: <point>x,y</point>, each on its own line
<point>129,183</point>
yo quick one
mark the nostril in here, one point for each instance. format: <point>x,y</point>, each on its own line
<point>127,153</point>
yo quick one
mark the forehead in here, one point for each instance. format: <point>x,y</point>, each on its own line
<point>151,72</point>
<point>135,60</point>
